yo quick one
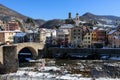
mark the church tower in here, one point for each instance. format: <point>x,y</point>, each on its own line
<point>77,16</point>
<point>77,19</point>
<point>69,15</point>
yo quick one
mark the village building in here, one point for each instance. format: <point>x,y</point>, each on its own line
<point>98,37</point>
<point>7,37</point>
<point>20,37</point>
<point>87,40</point>
<point>114,39</point>
<point>12,25</point>
<point>2,25</point>
<point>64,34</point>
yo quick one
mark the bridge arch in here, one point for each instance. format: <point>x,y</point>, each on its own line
<point>29,50</point>
<point>32,46</point>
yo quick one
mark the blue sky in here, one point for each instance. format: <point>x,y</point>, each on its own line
<point>54,9</point>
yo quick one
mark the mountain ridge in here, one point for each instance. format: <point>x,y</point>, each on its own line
<point>6,13</point>
<point>9,12</point>
<point>104,19</point>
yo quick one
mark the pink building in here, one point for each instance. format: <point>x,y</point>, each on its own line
<point>12,25</point>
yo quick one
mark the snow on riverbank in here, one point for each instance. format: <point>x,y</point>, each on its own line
<point>29,74</point>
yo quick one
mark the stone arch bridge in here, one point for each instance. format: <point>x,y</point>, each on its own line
<point>9,54</point>
<point>32,46</point>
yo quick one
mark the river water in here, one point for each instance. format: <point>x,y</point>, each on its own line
<point>66,69</point>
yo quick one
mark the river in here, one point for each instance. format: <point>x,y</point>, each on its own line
<point>66,69</point>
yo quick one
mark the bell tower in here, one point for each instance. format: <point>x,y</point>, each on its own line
<point>77,16</point>
<point>77,19</point>
<point>69,15</point>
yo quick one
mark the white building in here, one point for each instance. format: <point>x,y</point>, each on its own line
<point>47,35</point>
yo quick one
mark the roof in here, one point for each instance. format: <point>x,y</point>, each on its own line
<point>29,31</point>
<point>67,26</point>
<point>100,29</point>
<point>9,31</point>
<point>115,26</point>
<point>111,32</point>
<point>20,34</point>
<point>94,28</point>
<point>116,37</point>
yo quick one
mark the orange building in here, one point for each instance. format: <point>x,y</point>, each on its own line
<point>98,36</point>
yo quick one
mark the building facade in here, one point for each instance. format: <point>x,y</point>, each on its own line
<point>63,36</point>
<point>114,39</point>
<point>2,25</point>
<point>98,37</point>
<point>12,25</point>
<point>87,40</point>
<point>77,36</point>
<point>7,37</point>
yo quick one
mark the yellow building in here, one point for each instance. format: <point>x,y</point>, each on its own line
<point>42,35</point>
<point>94,37</point>
<point>87,40</point>
<point>7,37</point>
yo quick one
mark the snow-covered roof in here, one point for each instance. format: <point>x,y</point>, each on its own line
<point>17,31</point>
<point>117,37</point>
<point>101,29</point>
<point>8,31</point>
<point>109,26</point>
<point>29,31</point>
<point>115,26</point>
<point>111,31</point>
<point>94,28</point>
<point>82,21</point>
<point>67,26</point>
<point>99,25</point>
<point>20,34</point>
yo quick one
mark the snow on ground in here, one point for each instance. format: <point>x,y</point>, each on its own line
<point>24,73</point>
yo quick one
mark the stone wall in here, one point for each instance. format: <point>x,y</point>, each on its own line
<point>1,55</point>
<point>10,60</point>
<point>84,51</point>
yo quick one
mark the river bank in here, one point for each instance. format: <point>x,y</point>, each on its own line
<point>67,70</point>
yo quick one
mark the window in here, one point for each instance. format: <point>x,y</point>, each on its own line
<point>79,30</point>
<point>88,37</point>
<point>78,33</point>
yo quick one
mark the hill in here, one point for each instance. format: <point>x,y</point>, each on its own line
<point>7,14</point>
<point>104,19</point>
<point>52,23</point>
